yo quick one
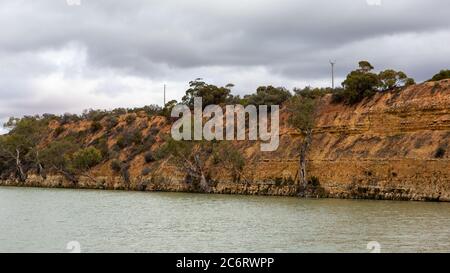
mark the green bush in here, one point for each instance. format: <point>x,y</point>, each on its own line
<point>130,118</point>
<point>390,79</point>
<point>94,115</point>
<point>167,110</point>
<point>68,118</point>
<point>442,75</point>
<point>268,95</point>
<point>150,110</point>
<point>86,158</point>
<point>136,137</point>
<point>209,93</point>
<point>102,145</point>
<point>121,142</point>
<point>359,84</point>
<point>96,126</point>
<point>178,149</point>
<point>111,122</point>
<point>116,165</point>
<point>121,168</point>
<point>128,138</point>
<point>302,112</point>
<point>57,154</point>
<point>313,93</point>
<point>228,154</point>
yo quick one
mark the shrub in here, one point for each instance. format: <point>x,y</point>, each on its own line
<point>442,75</point>
<point>102,145</point>
<point>359,84</point>
<point>440,152</point>
<point>120,129</point>
<point>68,118</point>
<point>121,168</point>
<point>130,119</point>
<point>154,130</point>
<point>119,111</point>
<point>87,158</point>
<point>121,142</point>
<point>229,155</point>
<point>149,140</point>
<point>150,110</point>
<point>94,115</point>
<point>216,159</point>
<point>167,110</point>
<point>313,93</point>
<point>59,131</point>
<point>111,122</point>
<point>57,153</point>
<point>390,79</point>
<point>268,95</point>
<point>128,138</point>
<point>125,172</point>
<point>136,137</point>
<point>178,149</point>
<point>96,126</point>
<point>302,112</point>
<point>235,158</point>
<point>314,181</point>
<point>149,157</point>
<point>116,165</point>
<point>209,93</point>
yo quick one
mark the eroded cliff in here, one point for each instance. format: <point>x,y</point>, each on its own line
<point>394,145</point>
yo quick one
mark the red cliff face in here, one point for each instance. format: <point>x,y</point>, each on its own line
<point>394,145</point>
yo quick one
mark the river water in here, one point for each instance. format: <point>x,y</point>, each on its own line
<point>46,220</point>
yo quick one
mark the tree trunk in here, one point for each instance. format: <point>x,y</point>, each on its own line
<point>303,153</point>
<point>203,182</point>
<point>40,168</point>
<point>22,175</point>
<point>67,175</point>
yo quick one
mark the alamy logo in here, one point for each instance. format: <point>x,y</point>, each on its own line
<point>235,123</point>
<point>373,2</point>
<point>74,247</point>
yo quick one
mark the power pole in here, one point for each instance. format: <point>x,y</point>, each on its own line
<point>164,95</point>
<point>332,73</point>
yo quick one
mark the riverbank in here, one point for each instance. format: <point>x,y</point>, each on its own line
<point>266,188</point>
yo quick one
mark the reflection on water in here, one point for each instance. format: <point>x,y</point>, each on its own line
<point>46,220</point>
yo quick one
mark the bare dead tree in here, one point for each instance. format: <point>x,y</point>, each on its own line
<point>21,175</point>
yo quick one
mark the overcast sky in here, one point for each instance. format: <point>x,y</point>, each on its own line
<point>58,58</point>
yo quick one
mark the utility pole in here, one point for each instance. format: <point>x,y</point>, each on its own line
<point>332,73</point>
<point>164,95</point>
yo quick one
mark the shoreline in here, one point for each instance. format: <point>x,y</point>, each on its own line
<point>262,189</point>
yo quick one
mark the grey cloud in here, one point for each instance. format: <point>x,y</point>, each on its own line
<point>181,40</point>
